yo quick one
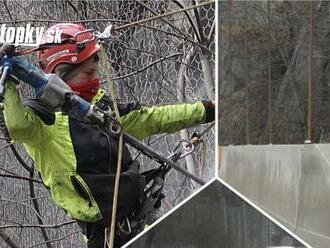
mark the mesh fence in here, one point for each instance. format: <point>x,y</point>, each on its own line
<point>148,62</point>
<point>274,72</point>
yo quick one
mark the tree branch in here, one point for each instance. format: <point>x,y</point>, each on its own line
<point>53,240</point>
<point>38,226</point>
<point>23,204</point>
<point>8,240</point>
<point>36,207</point>
<point>21,178</point>
<point>146,67</point>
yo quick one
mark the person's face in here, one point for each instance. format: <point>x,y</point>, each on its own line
<point>87,71</point>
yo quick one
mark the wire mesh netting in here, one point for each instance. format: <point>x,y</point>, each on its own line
<point>163,61</point>
<point>274,72</point>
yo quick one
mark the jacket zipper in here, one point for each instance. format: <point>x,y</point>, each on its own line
<point>82,189</point>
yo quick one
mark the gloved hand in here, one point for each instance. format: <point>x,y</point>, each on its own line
<point>209,110</point>
<point>6,69</point>
<point>52,90</point>
<point>29,74</point>
<point>6,62</point>
<point>24,71</point>
<point>49,88</point>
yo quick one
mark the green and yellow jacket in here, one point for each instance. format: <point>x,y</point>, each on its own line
<point>77,161</point>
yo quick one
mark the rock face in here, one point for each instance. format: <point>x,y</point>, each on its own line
<point>268,54</point>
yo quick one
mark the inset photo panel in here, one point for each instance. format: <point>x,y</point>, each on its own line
<point>107,117</point>
<point>217,217</point>
<point>274,104</point>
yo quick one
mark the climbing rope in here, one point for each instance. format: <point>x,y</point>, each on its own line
<point>109,239</point>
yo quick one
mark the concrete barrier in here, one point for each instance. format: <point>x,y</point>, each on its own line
<point>291,182</point>
<point>216,218</point>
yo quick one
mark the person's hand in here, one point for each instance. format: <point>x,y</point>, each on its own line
<point>8,50</point>
<point>6,67</point>
<point>28,73</point>
<point>13,64</point>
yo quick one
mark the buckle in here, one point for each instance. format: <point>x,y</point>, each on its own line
<point>125,226</point>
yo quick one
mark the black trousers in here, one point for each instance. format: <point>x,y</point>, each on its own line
<point>129,201</point>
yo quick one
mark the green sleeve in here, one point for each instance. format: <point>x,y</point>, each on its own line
<point>22,124</point>
<point>148,121</point>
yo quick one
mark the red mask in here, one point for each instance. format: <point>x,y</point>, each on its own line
<point>87,89</point>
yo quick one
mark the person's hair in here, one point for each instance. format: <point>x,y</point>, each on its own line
<point>66,71</point>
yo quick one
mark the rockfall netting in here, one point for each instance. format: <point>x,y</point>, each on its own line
<point>167,60</point>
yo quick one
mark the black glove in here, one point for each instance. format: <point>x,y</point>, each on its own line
<point>210,111</point>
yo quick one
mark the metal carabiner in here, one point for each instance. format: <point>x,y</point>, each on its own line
<point>115,127</point>
<point>125,224</point>
<point>187,148</point>
<point>112,125</point>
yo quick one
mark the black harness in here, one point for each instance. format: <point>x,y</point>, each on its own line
<point>151,182</point>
